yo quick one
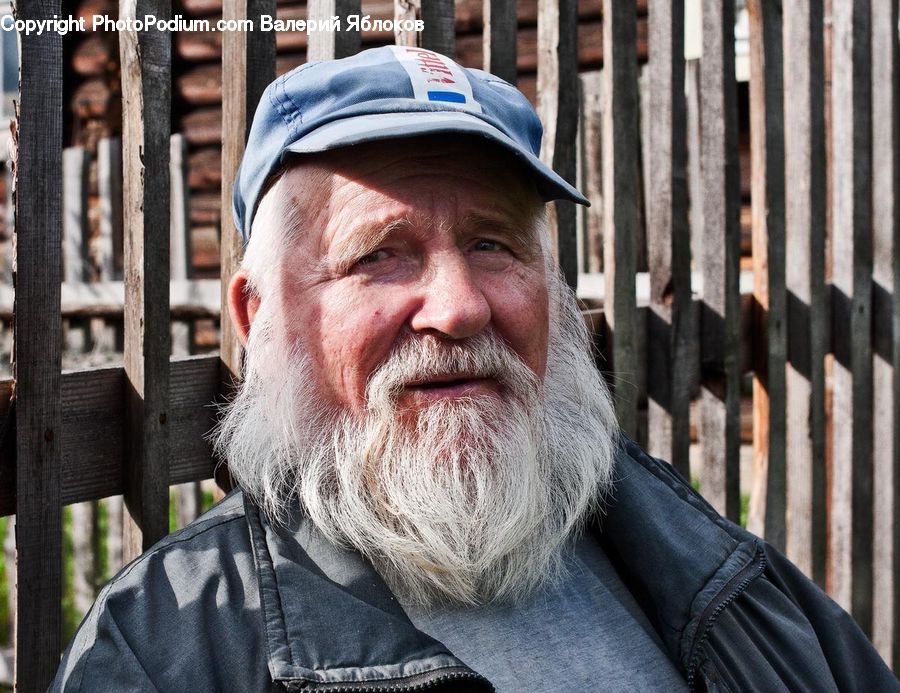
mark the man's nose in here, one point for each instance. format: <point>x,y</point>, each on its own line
<point>453,303</point>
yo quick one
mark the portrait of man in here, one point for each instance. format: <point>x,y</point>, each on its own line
<point>433,491</point>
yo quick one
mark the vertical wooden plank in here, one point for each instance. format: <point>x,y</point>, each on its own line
<point>84,549</point>
<point>405,11</point>
<point>108,245</point>
<point>188,503</point>
<point>886,315</point>
<point>146,92</point>
<point>75,226</point>
<point>115,508</point>
<point>768,493</point>
<point>75,218</point>
<point>668,240</point>
<point>187,496</point>
<point>179,224</point>
<point>109,185</point>
<point>38,332</point>
<point>645,120</point>
<point>248,66</point>
<point>439,31</point>
<point>179,234</point>
<point>621,195</point>
<point>557,105</point>
<point>6,262</point>
<point>500,34</point>
<point>719,261</point>
<point>9,557</point>
<point>591,85</point>
<point>328,45</point>
<point>805,212</point>
<point>695,174</point>
<point>851,500</point>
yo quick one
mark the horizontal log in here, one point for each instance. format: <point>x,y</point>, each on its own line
<point>469,13</point>
<point>202,126</point>
<point>205,168</point>
<point>88,8</point>
<point>205,248</point>
<point>205,208</point>
<point>93,56</point>
<point>590,47</point>
<point>200,8</point>
<point>92,99</point>
<point>200,85</point>
<point>189,298</point>
<point>93,403</point>
<point>207,46</point>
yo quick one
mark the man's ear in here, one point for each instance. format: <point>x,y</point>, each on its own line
<point>242,304</point>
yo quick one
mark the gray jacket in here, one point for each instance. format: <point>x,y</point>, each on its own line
<point>232,603</point>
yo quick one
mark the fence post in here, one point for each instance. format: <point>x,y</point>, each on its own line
<point>695,172</point>
<point>38,351</point>
<point>327,45</point>
<point>591,131</point>
<point>179,235</point>
<point>719,261</point>
<point>499,40</point>
<point>620,200</point>
<point>248,65</point>
<point>189,496</point>
<point>75,228</point>
<point>805,213</point>
<point>75,218</point>
<point>439,26</point>
<point>668,241</point>
<point>886,316</point>
<point>146,93</point>
<point>109,187</point>
<point>768,495</point>
<point>557,105</point>
<point>406,10</point>
<point>851,498</point>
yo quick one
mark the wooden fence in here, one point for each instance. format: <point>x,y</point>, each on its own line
<point>823,319</point>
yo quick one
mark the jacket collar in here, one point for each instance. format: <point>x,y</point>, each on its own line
<point>331,622</point>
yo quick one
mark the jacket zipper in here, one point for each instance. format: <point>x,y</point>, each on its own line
<point>417,682</point>
<point>732,590</point>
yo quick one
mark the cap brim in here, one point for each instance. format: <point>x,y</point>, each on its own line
<point>389,126</point>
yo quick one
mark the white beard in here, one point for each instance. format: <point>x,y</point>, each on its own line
<point>469,501</point>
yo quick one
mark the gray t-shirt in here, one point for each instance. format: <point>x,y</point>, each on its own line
<point>586,633</point>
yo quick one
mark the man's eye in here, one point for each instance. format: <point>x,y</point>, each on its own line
<point>488,245</point>
<point>372,257</point>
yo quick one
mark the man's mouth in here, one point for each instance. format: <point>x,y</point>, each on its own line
<point>451,386</point>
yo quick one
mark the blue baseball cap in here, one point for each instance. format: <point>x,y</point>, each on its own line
<point>391,92</point>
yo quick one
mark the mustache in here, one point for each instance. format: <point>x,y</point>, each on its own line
<point>420,359</point>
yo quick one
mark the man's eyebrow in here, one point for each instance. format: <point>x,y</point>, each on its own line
<point>362,240</point>
<point>520,232</point>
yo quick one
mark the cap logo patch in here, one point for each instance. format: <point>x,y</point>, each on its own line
<point>436,78</point>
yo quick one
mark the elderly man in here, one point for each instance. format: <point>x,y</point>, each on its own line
<point>433,494</point>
